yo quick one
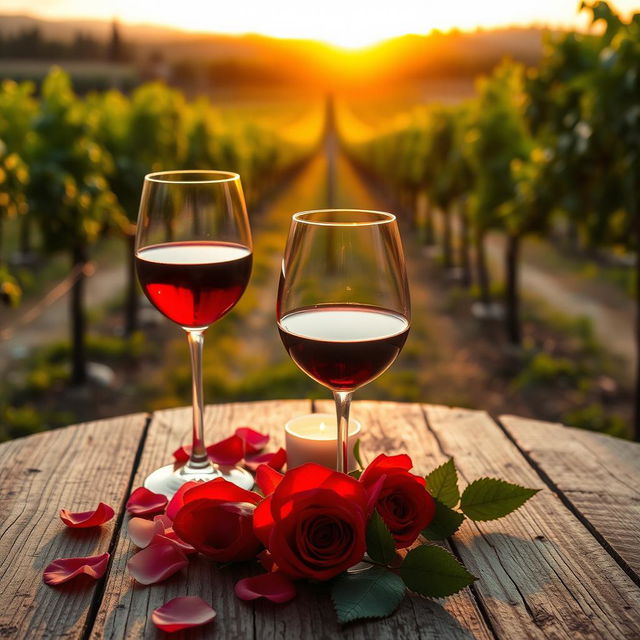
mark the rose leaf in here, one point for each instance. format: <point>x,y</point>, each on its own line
<point>374,593</point>
<point>380,543</point>
<point>442,483</point>
<point>433,572</point>
<point>356,454</point>
<point>444,524</point>
<point>491,498</point>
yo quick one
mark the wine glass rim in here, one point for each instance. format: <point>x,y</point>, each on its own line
<point>221,176</point>
<point>384,218</point>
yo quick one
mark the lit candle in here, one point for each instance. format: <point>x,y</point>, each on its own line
<point>313,438</point>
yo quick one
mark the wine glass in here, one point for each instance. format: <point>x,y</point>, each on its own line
<point>343,305</point>
<point>193,259</point>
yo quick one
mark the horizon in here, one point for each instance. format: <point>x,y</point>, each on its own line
<point>377,29</point>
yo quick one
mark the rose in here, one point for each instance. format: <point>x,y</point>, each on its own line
<point>314,522</point>
<point>403,502</point>
<point>217,520</point>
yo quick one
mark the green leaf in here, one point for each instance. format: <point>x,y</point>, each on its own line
<point>431,571</point>
<point>491,498</point>
<point>356,453</point>
<point>444,524</point>
<point>356,473</point>
<point>374,593</point>
<point>380,543</point>
<point>442,483</point>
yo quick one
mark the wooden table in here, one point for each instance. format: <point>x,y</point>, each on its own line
<point>566,565</point>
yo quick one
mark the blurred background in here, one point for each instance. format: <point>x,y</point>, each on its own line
<point>506,138</point>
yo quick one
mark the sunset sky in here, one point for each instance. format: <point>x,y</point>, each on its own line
<point>349,23</point>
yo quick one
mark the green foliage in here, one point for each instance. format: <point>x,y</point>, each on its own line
<point>433,572</point>
<point>595,418</point>
<point>491,498</point>
<point>442,484</point>
<point>445,523</point>
<point>380,543</point>
<point>374,593</point>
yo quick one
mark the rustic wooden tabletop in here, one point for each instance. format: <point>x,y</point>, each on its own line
<point>566,565</point>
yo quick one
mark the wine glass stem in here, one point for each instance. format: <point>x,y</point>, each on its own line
<point>343,403</point>
<point>198,459</point>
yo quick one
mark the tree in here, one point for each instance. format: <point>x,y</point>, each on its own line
<point>17,109</point>
<point>68,193</point>
<point>142,135</point>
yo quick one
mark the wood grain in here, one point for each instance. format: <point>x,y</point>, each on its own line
<point>75,468</point>
<point>126,608</point>
<point>542,573</point>
<point>595,473</point>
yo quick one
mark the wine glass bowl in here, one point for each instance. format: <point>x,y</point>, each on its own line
<point>343,306</point>
<point>193,260</point>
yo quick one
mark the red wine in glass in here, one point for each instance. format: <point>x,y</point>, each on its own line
<point>194,283</point>
<point>343,346</point>
<point>193,260</point>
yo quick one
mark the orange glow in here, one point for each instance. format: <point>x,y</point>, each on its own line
<point>348,24</point>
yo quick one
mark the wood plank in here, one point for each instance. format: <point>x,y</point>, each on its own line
<point>126,607</point>
<point>542,573</point>
<point>598,475</point>
<point>74,468</point>
<point>392,428</point>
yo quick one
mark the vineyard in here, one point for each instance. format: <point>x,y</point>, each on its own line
<point>550,152</point>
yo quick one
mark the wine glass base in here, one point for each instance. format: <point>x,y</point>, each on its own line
<point>167,480</point>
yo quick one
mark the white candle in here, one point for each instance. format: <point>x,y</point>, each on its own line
<point>313,438</point>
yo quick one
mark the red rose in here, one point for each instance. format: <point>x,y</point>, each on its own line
<point>314,522</point>
<point>403,503</point>
<point>217,519</point>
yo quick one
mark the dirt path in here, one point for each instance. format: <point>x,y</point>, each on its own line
<point>612,318</point>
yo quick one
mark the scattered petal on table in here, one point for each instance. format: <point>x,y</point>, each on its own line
<point>267,478</point>
<point>182,454</point>
<point>171,536</point>
<point>182,613</point>
<point>143,502</point>
<point>178,499</point>
<point>227,452</point>
<point>156,563</point>
<point>142,531</point>
<point>84,519</point>
<point>275,460</point>
<point>254,441</point>
<point>272,586</point>
<point>65,569</point>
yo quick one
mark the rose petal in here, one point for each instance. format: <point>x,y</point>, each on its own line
<point>171,537</point>
<point>267,478</point>
<point>275,460</point>
<point>263,521</point>
<point>178,499</point>
<point>157,562</point>
<point>182,613</point>
<point>65,569</point>
<point>143,502</point>
<point>373,493</point>
<point>182,454</point>
<point>227,452</point>
<point>220,490</point>
<point>83,519</point>
<point>253,440</point>
<point>272,586</point>
<point>142,531</point>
